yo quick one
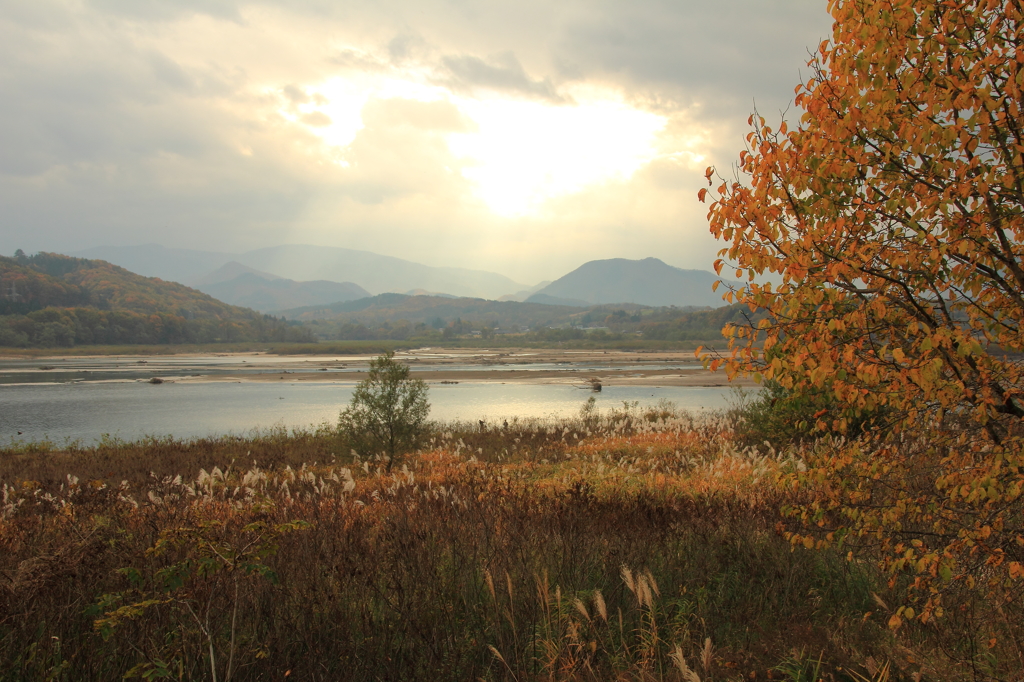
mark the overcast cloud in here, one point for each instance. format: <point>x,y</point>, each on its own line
<point>521,137</point>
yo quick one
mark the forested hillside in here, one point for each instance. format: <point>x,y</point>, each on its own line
<point>50,300</point>
<point>433,319</point>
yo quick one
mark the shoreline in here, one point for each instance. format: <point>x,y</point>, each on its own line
<point>433,365</point>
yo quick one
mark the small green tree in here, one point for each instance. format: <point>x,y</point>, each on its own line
<point>388,411</point>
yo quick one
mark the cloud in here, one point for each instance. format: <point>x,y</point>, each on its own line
<point>167,10</point>
<point>85,103</point>
<point>502,73</point>
<point>316,119</point>
<point>295,94</point>
<point>394,112</point>
<point>215,123</point>
<point>724,55</point>
<point>357,60</point>
<point>405,47</point>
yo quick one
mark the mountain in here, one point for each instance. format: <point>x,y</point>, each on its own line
<point>255,291</point>
<point>525,293</point>
<point>555,300</point>
<point>375,273</point>
<point>228,272</point>
<point>53,300</point>
<point>187,266</point>
<point>617,280</point>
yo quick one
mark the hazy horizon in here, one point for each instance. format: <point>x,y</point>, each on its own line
<point>84,253</point>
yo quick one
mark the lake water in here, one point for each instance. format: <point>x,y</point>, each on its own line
<point>87,410</point>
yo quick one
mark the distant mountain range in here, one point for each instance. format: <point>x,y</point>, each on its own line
<point>525,293</point>
<point>286,277</point>
<point>373,272</point>
<point>49,300</point>
<point>256,291</point>
<point>228,272</point>
<point>648,282</point>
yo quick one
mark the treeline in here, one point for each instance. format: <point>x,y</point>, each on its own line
<point>66,327</point>
<point>432,319</point>
<point>399,330</point>
<point>404,330</point>
<point>436,312</point>
<point>704,325</point>
<point>619,325</point>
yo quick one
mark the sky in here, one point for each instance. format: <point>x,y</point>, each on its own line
<point>523,137</point>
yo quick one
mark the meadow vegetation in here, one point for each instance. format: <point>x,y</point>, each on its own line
<point>644,545</point>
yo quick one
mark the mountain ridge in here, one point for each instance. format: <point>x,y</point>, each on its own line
<point>649,281</point>
<point>229,271</point>
<point>301,262</point>
<point>252,290</point>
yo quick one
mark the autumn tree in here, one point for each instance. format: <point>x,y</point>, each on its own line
<point>882,239</point>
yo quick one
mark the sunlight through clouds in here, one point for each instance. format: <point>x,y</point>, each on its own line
<point>526,152</point>
<point>517,153</point>
<point>345,99</point>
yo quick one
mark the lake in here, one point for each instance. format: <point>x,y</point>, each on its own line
<point>129,410</point>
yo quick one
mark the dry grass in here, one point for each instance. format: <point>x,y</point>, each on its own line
<point>640,547</point>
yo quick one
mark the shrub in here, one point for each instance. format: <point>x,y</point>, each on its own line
<point>388,412</point>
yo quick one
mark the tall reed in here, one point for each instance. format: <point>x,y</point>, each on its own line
<point>639,546</point>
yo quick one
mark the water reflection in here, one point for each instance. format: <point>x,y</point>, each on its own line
<point>86,411</point>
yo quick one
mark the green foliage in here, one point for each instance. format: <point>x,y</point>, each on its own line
<point>202,567</point>
<point>800,667</point>
<point>781,416</point>
<point>388,412</point>
<point>590,415</point>
<point>775,415</point>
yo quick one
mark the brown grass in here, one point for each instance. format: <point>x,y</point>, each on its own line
<point>614,548</point>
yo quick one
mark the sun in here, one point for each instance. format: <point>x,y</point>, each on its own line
<point>526,152</point>
<point>517,153</point>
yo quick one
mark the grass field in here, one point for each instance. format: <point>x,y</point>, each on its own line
<point>626,546</point>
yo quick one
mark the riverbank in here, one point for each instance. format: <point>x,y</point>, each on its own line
<point>441,365</point>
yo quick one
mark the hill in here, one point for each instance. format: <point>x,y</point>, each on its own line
<point>436,311</point>
<point>374,272</point>
<point>53,300</point>
<point>648,282</point>
<point>255,291</point>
